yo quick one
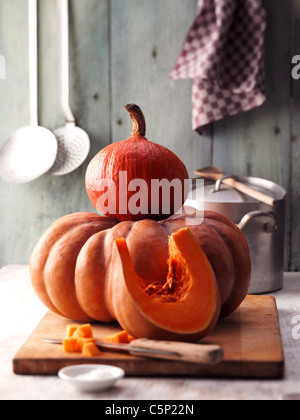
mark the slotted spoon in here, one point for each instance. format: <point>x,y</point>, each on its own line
<point>73,142</point>
<point>32,150</point>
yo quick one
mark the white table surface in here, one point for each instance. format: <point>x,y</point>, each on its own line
<point>21,312</point>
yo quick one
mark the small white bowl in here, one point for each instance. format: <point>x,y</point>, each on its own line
<point>91,378</point>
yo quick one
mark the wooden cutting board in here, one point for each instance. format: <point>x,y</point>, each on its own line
<point>250,339</point>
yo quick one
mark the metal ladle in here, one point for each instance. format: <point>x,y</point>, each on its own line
<point>32,150</point>
<point>73,142</point>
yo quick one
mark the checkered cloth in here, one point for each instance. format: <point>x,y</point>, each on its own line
<point>224,54</point>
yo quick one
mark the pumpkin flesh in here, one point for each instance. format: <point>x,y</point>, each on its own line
<point>188,303</point>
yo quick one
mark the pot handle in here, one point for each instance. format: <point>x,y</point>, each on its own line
<point>270,227</point>
<point>220,181</point>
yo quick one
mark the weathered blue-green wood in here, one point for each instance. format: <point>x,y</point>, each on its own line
<point>27,210</point>
<point>257,143</point>
<point>295,150</point>
<point>123,51</point>
<point>146,38</point>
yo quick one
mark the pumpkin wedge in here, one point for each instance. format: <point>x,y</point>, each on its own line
<point>185,308</point>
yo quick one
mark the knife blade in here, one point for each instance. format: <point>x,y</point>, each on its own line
<point>165,350</point>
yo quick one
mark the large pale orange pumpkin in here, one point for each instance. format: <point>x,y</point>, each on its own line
<point>158,280</point>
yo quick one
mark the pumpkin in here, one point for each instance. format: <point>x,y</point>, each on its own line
<point>80,342</point>
<point>71,330</point>
<point>90,350</point>
<point>119,338</point>
<point>77,337</point>
<point>70,345</point>
<point>137,179</point>
<point>186,307</point>
<point>83,331</point>
<point>157,279</point>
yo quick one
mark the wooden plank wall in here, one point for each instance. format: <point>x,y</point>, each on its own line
<point>123,51</point>
<point>295,149</point>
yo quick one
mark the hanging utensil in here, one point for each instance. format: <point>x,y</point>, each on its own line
<point>167,350</point>
<point>73,142</point>
<point>32,150</point>
<point>217,174</point>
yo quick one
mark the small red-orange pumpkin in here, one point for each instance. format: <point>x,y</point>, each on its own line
<point>110,176</point>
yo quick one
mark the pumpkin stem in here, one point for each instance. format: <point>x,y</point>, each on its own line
<point>138,119</point>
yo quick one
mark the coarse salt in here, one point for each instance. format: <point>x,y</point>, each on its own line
<point>94,375</point>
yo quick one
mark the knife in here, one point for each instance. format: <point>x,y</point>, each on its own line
<point>165,350</point>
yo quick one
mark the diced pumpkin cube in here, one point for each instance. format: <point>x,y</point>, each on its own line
<point>83,331</point>
<point>119,338</point>
<point>69,345</point>
<point>81,341</point>
<point>70,330</point>
<point>90,350</point>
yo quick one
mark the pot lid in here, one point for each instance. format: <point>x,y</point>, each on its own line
<point>227,194</point>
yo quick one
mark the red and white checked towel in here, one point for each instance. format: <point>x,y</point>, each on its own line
<point>224,54</point>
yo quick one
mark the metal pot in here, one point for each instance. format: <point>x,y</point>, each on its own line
<point>262,225</point>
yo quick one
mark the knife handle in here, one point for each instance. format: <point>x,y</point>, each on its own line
<point>180,352</point>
